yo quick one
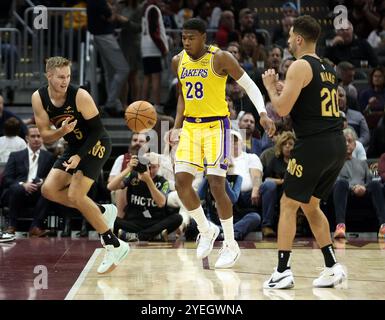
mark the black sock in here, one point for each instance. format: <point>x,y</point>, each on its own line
<point>283,260</point>
<point>109,238</point>
<point>101,208</point>
<point>329,255</point>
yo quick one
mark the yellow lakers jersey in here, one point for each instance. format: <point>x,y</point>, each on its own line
<point>203,89</point>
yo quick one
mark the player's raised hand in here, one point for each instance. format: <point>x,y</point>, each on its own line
<point>270,79</point>
<point>267,124</point>
<point>68,126</point>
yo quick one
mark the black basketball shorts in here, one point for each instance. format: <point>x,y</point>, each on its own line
<point>92,164</point>
<point>314,167</point>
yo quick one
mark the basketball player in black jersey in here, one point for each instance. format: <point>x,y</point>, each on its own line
<point>310,96</point>
<point>74,115</point>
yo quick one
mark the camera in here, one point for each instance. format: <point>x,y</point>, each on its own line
<point>142,165</point>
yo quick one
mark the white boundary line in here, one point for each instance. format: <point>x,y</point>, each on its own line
<point>75,288</point>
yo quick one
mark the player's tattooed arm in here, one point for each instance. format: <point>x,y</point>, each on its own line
<point>48,134</point>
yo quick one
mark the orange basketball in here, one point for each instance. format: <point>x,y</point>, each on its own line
<point>140,116</point>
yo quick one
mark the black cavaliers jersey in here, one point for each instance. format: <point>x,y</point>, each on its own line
<point>69,109</point>
<point>316,110</point>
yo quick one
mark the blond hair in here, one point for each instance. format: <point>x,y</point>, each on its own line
<point>56,62</point>
<point>282,139</point>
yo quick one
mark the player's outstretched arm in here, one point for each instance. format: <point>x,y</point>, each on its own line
<point>48,134</point>
<point>225,63</point>
<point>298,76</point>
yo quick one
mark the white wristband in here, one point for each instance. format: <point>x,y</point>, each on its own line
<point>253,92</point>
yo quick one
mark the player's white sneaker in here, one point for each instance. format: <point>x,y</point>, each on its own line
<point>228,255</point>
<point>330,277</point>
<point>110,214</point>
<point>280,280</point>
<point>206,241</point>
<point>113,256</point>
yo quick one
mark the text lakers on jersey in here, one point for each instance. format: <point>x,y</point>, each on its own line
<point>204,91</point>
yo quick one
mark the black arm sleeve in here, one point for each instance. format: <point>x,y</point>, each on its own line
<point>96,130</point>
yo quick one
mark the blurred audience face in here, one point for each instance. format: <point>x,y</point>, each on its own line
<point>235,90</point>
<point>249,41</point>
<point>154,169</point>
<point>342,99</point>
<point>34,139</point>
<point>350,143</point>
<point>287,23</point>
<point>347,76</point>
<point>138,140</point>
<point>234,50</point>
<point>237,146</point>
<point>246,20</point>
<point>285,66</point>
<point>289,10</point>
<point>346,34</point>
<point>193,42</point>
<point>227,20</point>
<point>233,113</point>
<point>59,79</point>
<point>1,105</point>
<point>275,58</point>
<point>378,79</point>
<point>247,122</point>
<point>287,146</point>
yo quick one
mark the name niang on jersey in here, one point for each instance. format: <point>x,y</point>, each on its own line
<point>142,201</point>
<point>194,73</point>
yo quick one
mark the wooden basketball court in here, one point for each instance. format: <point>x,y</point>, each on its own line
<point>170,271</point>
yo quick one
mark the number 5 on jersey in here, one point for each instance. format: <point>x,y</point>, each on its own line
<point>194,91</point>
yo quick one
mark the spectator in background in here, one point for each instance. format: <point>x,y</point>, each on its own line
<point>226,33</point>
<point>247,122</point>
<point>355,180</point>
<point>373,98</point>
<point>22,179</point>
<point>355,119</point>
<point>364,17</point>
<point>254,53</point>
<point>101,18</point>
<point>130,44</point>
<point>154,46</point>
<point>274,174</point>
<point>377,36</point>
<point>138,140</point>
<point>244,221</point>
<point>217,10</point>
<point>285,64</point>
<point>5,115</point>
<point>345,73</point>
<point>203,11</point>
<point>11,142</point>
<point>381,168</point>
<point>346,46</point>
<point>359,151</point>
<point>281,33</point>
<point>377,141</point>
<point>187,11</point>
<point>146,212</point>
<point>274,58</point>
<point>289,9</point>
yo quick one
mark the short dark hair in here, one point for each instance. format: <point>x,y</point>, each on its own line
<point>12,127</point>
<point>307,27</point>
<point>195,24</point>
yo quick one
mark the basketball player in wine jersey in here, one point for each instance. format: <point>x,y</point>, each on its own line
<point>76,118</point>
<point>310,96</point>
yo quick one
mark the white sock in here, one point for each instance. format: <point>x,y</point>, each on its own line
<point>199,216</point>
<point>228,229</point>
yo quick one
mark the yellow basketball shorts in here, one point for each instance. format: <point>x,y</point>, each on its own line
<point>204,142</point>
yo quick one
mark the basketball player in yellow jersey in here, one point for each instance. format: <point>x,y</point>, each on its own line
<point>202,109</point>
